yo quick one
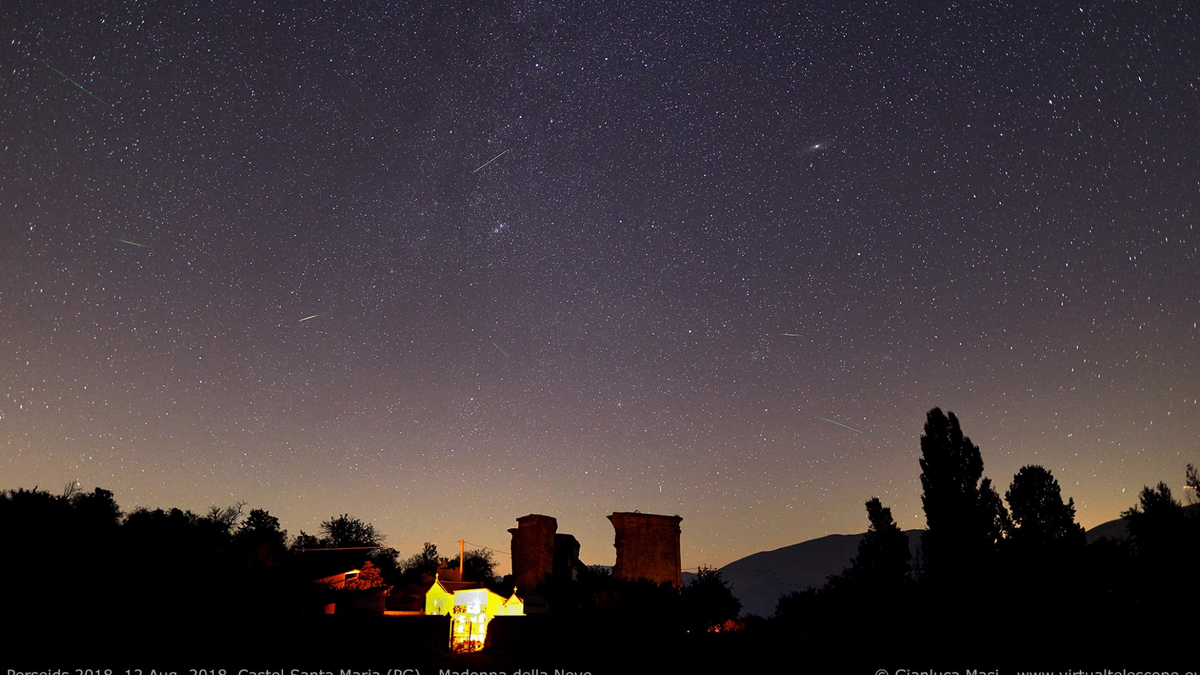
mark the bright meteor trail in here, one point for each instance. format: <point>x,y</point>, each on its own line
<point>493,159</point>
<point>844,426</point>
<point>826,419</point>
<point>308,317</point>
<point>64,76</point>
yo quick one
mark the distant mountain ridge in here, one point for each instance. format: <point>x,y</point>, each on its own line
<point>1114,529</point>
<point>1119,529</point>
<point>759,579</point>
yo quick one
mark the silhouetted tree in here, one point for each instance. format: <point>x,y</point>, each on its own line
<point>1193,484</point>
<point>65,541</point>
<point>173,529</point>
<point>96,509</point>
<point>262,528</point>
<point>225,519</point>
<point>993,516</point>
<point>32,519</point>
<point>1157,523</point>
<point>708,601</point>
<point>305,541</point>
<point>623,603</point>
<point>884,560</point>
<point>387,561</point>
<point>964,518</point>
<point>192,555</point>
<point>809,612</point>
<point>262,541</point>
<point>1043,553</point>
<point>1041,520</point>
<point>416,566</point>
<point>346,532</point>
<point>880,574</point>
<point>1165,542</point>
<point>479,565</point>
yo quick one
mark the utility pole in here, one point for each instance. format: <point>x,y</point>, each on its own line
<point>461,559</point>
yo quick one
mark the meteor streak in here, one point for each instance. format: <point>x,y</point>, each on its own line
<point>500,348</point>
<point>493,159</point>
<point>64,76</point>
<point>132,243</point>
<point>826,419</point>
<point>308,317</point>
<point>844,426</point>
<point>790,334</point>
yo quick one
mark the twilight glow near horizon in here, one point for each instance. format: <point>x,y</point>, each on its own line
<point>439,266</point>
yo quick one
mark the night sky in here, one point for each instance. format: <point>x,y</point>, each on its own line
<point>442,265</point>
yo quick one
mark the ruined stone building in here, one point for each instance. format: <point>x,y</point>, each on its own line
<point>540,553</point>
<point>647,547</point>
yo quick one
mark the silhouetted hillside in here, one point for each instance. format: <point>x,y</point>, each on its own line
<point>759,579</point>
<point>686,577</point>
<point>1113,529</point>
<point>1119,529</point>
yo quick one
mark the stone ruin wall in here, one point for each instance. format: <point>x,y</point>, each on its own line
<point>647,547</point>
<point>532,551</point>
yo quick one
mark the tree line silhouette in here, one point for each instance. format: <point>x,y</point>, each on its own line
<point>1025,571</point>
<point>170,576</point>
<point>1014,566</point>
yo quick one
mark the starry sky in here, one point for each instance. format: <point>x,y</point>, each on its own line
<point>439,265</point>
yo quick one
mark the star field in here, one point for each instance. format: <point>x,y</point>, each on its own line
<point>440,265</point>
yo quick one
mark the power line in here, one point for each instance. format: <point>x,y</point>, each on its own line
<point>489,548</point>
<point>347,548</point>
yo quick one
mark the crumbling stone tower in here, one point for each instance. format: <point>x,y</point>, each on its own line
<point>566,557</point>
<point>647,547</point>
<point>532,550</point>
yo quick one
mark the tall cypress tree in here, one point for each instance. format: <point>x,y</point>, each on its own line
<point>963,518</point>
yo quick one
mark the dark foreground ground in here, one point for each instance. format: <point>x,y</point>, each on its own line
<point>92,645</point>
